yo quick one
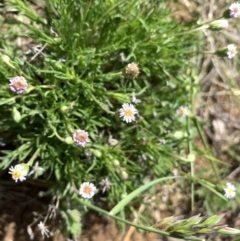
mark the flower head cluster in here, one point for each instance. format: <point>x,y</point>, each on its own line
<point>19,172</point>
<point>232,50</point>
<point>87,190</point>
<point>182,111</point>
<point>230,191</point>
<point>18,84</point>
<point>80,137</point>
<point>128,112</point>
<point>234,10</point>
<point>132,70</point>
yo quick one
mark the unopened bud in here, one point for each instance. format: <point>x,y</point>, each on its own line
<point>64,108</point>
<point>116,162</point>
<point>179,134</point>
<point>16,115</point>
<point>219,24</point>
<point>96,153</point>
<point>229,51</point>
<point>132,70</point>
<point>69,140</point>
<point>191,157</point>
<point>124,174</point>
<point>6,60</point>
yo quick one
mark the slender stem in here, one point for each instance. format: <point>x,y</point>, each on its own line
<point>59,137</point>
<point>189,141</point>
<point>89,205</point>
<point>191,165</point>
<point>212,163</point>
<point>30,162</point>
<point>102,105</point>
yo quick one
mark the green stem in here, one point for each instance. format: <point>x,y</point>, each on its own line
<point>102,105</point>
<point>212,163</point>
<point>59,137</point>
<point>190,146</point>
<point>30,162</point>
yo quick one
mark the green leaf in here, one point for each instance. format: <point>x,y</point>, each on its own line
<point>204,230</point>
<point>75,215</point>
<point>7,101</point>
<point>164,224</point>
<point>213,220</point>
<point>73,221</point>
<point>194,220</point>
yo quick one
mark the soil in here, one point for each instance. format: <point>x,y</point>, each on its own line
<point>20,206</point>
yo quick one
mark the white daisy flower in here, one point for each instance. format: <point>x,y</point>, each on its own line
<point>230,191</point>
<point>232,50</point>
<point>234,10</point>
<point>44,229</point>
<point>183,111</point>
<point>87,190</point>
<point>19,172</point>
<point>80,137</point>
<point>127,112</point>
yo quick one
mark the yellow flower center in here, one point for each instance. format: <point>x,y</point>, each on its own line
<point>230,190</point>
<point>128,113</point>
<point>16,174</point>
<point>87,190</point>
<point>182,111</point>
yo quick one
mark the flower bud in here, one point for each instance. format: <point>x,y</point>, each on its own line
<point>229,231</point>
<point>191,157</point>
<point>116,162</point>
<point>179,134</point>
<point>124,174</point>
<point>59,65</point>
<point>6,60</point>
<point>69,140</point>
<point>64,108</point>
<point>226,14</point>
<point>16,115</point>
<point>219,24</point>
<point>96,153</point>
<point>132,70</point>
<point>229,51</point>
